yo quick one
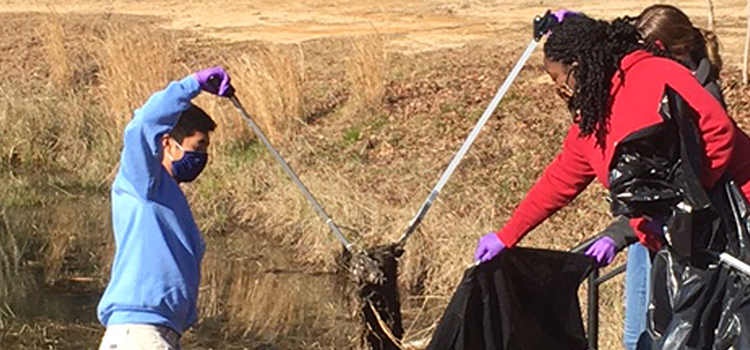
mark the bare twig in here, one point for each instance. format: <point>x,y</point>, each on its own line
<point>416,318</point>
<point>384,327</point>
<point>711,15</point>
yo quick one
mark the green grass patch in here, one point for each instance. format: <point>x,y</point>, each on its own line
<point>351,136</point>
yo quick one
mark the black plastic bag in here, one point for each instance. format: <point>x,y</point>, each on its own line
<point>524,299</point>
<point>644,170</point>
<point>703,308</point>
<point>696,303</point>
<point>654,173</point>
<point>695,308</point>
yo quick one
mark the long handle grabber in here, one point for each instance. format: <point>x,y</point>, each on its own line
<point>318,208</point>
<point>541,26</point>
<point>414,223</point>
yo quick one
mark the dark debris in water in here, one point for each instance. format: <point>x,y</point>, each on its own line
<point>373,287</point>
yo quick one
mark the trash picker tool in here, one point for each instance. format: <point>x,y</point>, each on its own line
<point>310,199</point>
<point>541,26</point>
<point>422,212</point>
<point>734,263</point>
<point>373,271</point>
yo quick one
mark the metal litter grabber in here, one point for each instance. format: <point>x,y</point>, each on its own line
<point>372,271</point>
<point>367,268</point>
<point>295,179</point>
<point>541,26</point>
<point>310,199</point>
<point>733,262</point>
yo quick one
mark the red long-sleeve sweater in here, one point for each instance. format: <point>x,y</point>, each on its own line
<point>635,104</point>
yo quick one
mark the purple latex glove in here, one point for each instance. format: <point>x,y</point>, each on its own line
<point>215,80</point>
<point>561,14</point>
<point>603,251</point>
<point>489,246</point>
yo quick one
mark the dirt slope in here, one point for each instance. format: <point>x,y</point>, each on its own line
<point>413,25</point>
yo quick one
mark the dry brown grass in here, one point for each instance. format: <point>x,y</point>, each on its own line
<point>12,280</point>
<point>54,39</point>
<point>37,136</point>
<point>366,69</point>
<point>135,61</point>
<point>265,305</point>
<point>268,82</point>
<point>58,124</point>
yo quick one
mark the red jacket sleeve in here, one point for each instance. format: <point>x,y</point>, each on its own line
<point>715,126</point>
<point>562,181</point>
<point>646,235</point>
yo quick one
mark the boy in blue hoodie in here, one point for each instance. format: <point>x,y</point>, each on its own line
<point>151,297</point>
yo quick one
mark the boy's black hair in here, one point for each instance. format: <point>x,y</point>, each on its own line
<point>192,120</point>
<point>598,47</point>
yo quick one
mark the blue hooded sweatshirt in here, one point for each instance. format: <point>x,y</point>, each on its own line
<point>156,269</point>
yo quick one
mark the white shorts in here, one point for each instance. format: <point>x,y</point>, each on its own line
<point>139,337</point>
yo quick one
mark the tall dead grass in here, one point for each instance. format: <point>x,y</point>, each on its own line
<point>12,279</point>
<point>366,69</point>
<point>257,306</point>
<point>61,125</point>
<point>135,62</point>
<point>269,83</point>
<point>52,132</point>
<point>54,38</point>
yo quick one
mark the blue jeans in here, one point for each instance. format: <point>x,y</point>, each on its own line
<point>637,278</point>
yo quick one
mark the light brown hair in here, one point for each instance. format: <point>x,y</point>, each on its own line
<point>672,28</point>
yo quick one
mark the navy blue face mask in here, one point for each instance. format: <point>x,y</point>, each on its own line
<point>187,168</point>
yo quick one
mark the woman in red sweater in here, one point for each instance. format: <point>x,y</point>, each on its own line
<point>613,82</point>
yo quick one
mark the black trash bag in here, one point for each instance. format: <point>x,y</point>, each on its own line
<point>733,330</point>
<point>643,172</point>
<point>703,308</point>
<point>696,303</point>
<point>684,305</point>
<point>693,308</point>
<point>524,299</point>
<point>654,174</point>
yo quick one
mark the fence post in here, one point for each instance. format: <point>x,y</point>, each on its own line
<point>593,313</point>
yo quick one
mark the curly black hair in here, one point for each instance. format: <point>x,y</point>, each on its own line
<point>598,47</point>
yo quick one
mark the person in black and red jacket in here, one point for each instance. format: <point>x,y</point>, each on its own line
<point>697,49</point>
